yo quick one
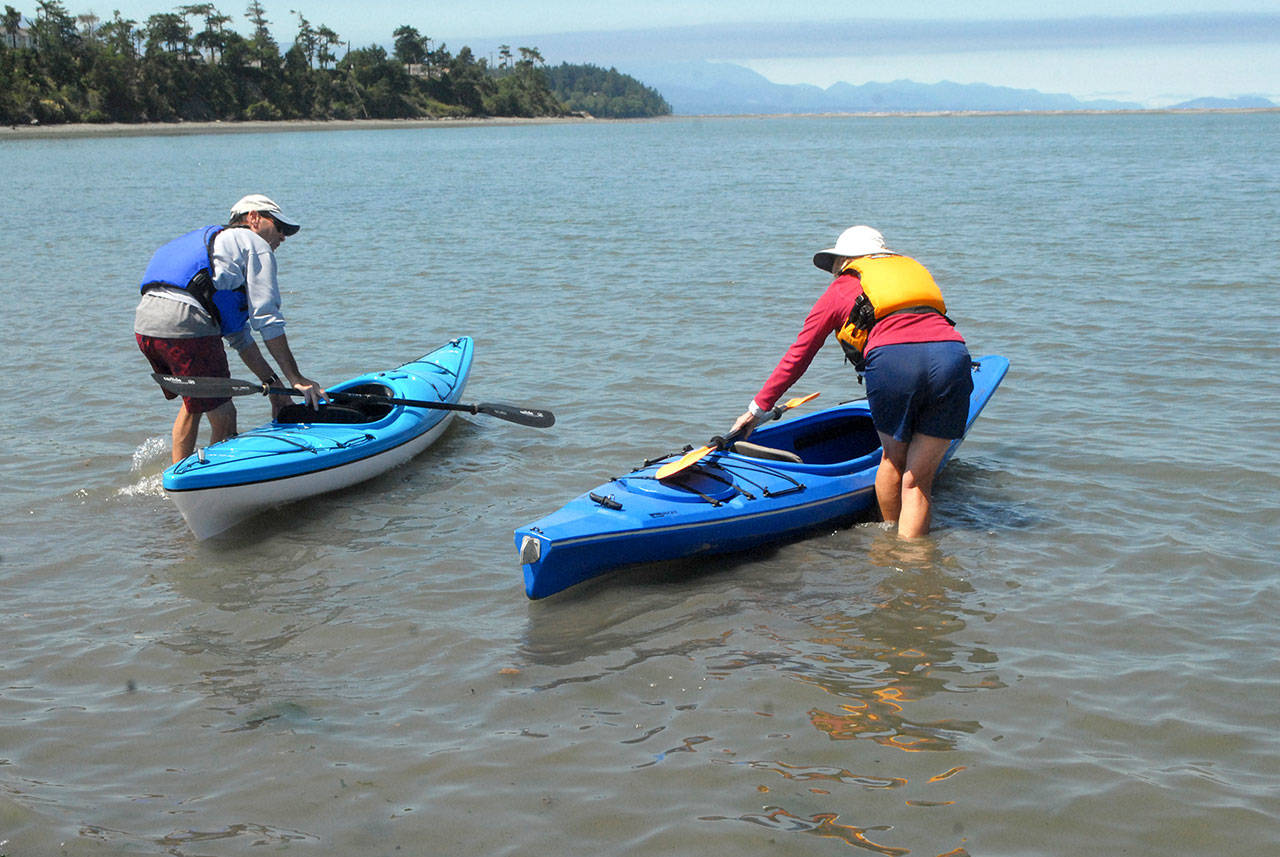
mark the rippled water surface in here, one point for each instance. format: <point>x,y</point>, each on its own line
<point>1081,659</point>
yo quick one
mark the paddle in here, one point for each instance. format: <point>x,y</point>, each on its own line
<point>689,459</point>
<point>208,388</point>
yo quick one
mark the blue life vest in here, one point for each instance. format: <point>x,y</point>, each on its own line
<point>186,262</point>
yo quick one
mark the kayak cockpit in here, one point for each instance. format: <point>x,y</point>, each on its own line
<point>829,437</point>
<point>768,453</point>
<point>347,413</point>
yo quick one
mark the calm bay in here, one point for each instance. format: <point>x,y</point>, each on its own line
<point>1080,658</point>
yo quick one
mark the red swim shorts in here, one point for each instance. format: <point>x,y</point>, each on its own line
<point>203,355</point>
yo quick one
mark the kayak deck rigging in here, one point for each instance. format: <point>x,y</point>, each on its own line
<point>736,472</point>
<point>292,443</point>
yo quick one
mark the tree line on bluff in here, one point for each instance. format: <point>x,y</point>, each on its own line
<point>187,65</point>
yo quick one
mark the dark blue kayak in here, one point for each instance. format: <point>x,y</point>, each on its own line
<point>730,501</point>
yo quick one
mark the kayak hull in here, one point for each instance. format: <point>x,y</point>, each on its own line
<point>730,501</point>
<point>282,461</point>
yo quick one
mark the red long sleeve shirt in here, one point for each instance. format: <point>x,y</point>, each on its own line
<point>829,315</point>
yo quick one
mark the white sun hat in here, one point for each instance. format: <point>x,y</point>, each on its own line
<point>854,241</point>
<point>259,202</point>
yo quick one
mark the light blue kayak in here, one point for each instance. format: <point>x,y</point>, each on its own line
<point>305,452</point>
<point>792,478</point>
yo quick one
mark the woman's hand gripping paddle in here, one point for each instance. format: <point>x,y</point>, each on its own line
<point>689,459</point>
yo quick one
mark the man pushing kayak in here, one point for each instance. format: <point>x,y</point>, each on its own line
<point>216,283</point>
<point>889,317</point>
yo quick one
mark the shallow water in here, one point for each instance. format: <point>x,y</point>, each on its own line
<point>1080,659</point>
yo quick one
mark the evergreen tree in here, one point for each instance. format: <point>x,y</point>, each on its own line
<point>411,47</point>
<point>187,64</point>
<point>605,93</point>
<point>12,23</point>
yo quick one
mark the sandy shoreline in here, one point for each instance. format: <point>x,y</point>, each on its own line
<point>173,129</point>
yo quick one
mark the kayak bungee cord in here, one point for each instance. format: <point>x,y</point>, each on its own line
<point>756,467</point>
<point>444,370</point>
<point>712,476</point>
<point>734,470</point>
<point>685,486</point>
<point>294,446</point>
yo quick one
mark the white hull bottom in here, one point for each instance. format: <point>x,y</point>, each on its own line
<point>209,511</point>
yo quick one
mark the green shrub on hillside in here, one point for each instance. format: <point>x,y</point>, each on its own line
<point>605,93</point>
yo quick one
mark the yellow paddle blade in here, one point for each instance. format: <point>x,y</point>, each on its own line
<point>671,468</point>
<point>799,400</point>
<point>689,459</point>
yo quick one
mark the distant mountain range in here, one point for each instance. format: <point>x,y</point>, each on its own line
<point>1248,102</point>
<point>701,88</point>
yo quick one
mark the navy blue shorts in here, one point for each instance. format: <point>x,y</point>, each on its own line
<point>919,387</point>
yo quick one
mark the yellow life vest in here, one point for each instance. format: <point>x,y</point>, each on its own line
<point>890,284</point>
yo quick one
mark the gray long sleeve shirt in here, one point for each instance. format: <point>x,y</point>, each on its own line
<point>240,258</point>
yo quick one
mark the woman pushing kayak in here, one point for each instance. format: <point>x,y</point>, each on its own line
<point>890,319</point>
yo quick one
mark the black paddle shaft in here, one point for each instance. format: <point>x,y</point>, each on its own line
<point>205,387</point>
<point>534,417</point>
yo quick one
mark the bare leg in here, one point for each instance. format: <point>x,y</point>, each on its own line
<point>222,421</point>
<point>185,429</point>
<point>924,455</point>
<point>889,478</point>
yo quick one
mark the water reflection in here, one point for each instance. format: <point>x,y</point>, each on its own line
<point>631,608</point>
<point>824,824</point>
<point>256,834</point>
<point>856,643</point>
<point>883,659</point>
<point>242,625</point>
<point>828,774</point>
<point>880,662</point>
<point>875,662</point>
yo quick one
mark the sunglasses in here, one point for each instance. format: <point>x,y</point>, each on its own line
<point>282,228</point>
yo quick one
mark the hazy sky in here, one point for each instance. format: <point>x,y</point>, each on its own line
<point>1152,51</point>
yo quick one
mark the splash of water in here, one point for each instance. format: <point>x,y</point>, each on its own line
<point>150,450</point>
<point>151,453</point>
